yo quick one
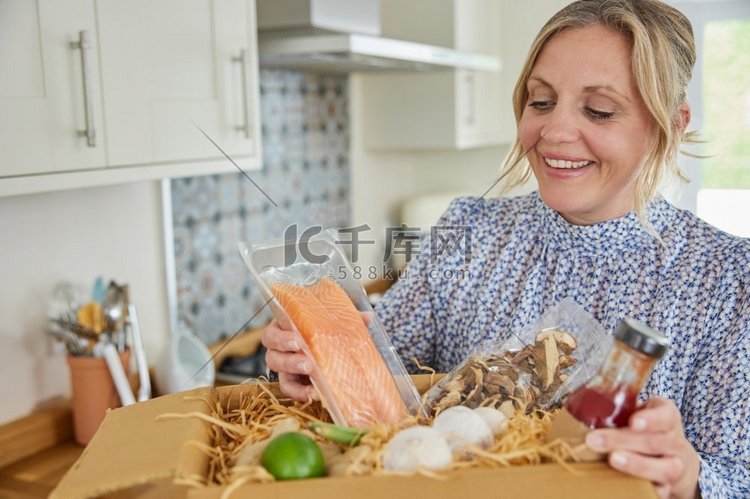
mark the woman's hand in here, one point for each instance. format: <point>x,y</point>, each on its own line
<point>284,355</point>
<point>653,447</point>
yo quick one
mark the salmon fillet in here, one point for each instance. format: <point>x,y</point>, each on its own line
<point>347,359</point>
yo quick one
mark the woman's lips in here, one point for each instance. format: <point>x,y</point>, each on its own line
<point>566,168</point>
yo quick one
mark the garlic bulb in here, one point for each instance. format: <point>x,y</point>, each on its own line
<point>495,419</point>
<point>463,427</point>
<point>417,447</point>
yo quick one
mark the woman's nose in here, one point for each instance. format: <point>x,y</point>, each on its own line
<point>560,127</point>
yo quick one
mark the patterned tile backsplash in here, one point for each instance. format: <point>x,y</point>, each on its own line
<point>305,123</point>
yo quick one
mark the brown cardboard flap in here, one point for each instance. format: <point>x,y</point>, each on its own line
<point>590,481</point>
<point>132,448</point>
<point>567,428</point>
<point>423,382</point>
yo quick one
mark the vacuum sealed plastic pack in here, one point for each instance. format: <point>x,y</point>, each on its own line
<point>312,290</point>
<point>532,370</point>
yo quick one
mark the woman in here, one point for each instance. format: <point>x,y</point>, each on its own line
<point>601,112</point>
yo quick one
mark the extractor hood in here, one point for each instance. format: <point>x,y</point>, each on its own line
<point>344,36</point>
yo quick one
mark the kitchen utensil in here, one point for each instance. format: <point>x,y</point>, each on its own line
<point>108,351</point>
<point>91,316</point>
<point>64,303</point>
<point>115,311</point>
<point>144,392</point>
<point>76,328</point>
<point>115,305</point>
<point>74,344</point>
<point>185,363</point>
<point>99,292</point>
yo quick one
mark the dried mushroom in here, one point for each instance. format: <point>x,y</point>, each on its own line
<point>564,341</point>
<point>525,379</point>
<point>449,400</point>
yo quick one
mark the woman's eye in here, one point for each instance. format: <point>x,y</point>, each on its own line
<point>599,115</point>
<point>541,105</point>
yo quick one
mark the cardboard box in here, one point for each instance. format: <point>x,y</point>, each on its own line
<point>133,455</point>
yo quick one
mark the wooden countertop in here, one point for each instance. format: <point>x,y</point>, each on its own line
<point>37,475</point>
<point>36,451</point>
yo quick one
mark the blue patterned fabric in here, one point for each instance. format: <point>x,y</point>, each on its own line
<point>693,286</point>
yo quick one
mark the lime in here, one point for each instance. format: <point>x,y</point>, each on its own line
<point>293,455</point>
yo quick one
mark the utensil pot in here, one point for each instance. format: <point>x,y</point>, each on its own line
<point>94,393</point>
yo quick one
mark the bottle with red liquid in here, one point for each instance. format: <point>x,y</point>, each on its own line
<point>611,396</point>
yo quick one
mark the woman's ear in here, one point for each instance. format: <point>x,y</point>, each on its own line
<point>682,120</point>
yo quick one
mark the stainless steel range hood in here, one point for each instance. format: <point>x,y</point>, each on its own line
<point>343,36</point>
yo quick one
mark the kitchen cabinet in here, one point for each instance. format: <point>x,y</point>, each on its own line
<point>169,63</point>
<point>455,109</point>
<point>448,109</point>
<point>42,105</point>
<point>156,70</point>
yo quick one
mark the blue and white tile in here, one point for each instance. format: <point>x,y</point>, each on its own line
<point>229,192</point>
<point>306,155</point>
<point>205,240</point>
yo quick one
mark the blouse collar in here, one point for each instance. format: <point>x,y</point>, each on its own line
<point>625,232</point>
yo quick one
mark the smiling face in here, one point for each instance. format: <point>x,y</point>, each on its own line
<point>585,128</point>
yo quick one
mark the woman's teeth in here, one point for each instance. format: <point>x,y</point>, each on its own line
<point>559,163</point>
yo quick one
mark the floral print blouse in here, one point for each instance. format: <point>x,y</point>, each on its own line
<point>520,258</point>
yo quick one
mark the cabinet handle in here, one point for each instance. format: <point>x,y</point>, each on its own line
<point>84,44</point>
<point>470,117</point>
<point>242,60</point>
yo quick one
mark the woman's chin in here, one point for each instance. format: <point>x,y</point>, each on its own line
<point>568,205</point>
<point>560,201</point>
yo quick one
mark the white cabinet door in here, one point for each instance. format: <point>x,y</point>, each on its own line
<point>155,69</point>
<point>170,66</point>
<point>480,108</point>
<point>478,93</point>
<point>42,104</point>
<point>449,109</point>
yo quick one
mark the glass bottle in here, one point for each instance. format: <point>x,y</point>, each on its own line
<point>611,396</point>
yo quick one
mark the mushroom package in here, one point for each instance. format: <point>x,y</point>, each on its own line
<point>563,348</point>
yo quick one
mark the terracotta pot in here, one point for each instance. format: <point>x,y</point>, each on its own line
<point>94,393</point>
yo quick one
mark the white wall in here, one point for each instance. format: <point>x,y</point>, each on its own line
<point>115,232</point>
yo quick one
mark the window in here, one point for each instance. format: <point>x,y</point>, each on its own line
<point>719,96</point>
<point>724,195</point>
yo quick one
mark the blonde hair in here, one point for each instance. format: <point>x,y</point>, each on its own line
<point>663,56</point>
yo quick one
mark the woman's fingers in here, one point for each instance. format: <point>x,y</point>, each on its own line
<point>288,362</point>
<point>652,447</point>
<point>657,415</point>
<point>660,470</point>
<point>283,340</point>
<point>296,387</point>
<point>656,430</point>
<point>651,443</point>
<point>367,317</point>
<point>284,356</point>
<point>283,353</point>
<point>663,491</point>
